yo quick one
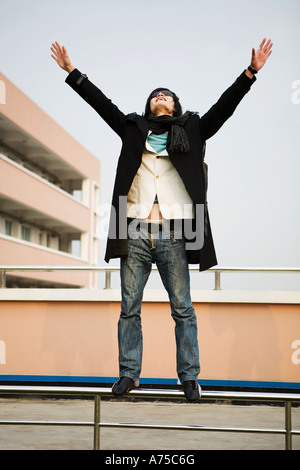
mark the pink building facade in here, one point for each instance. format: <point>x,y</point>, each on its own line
<point>49,196</point>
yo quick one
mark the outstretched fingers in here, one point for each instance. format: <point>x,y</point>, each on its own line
<point>262,44</point>
<point>266,46</point>
<point>56,49</point>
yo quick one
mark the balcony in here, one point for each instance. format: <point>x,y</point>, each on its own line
<point>54,208</point>
<point>52,228</point>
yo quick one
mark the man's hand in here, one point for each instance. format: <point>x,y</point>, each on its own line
<point>60,55</point>
<point>260,57</point>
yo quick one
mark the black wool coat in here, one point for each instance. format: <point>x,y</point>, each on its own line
<point>133,131</point>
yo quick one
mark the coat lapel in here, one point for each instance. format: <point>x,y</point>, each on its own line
<point>142,124</point>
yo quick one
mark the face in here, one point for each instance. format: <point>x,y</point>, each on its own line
<point>162,103</point>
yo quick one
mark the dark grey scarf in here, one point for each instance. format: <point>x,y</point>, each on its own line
<point>177,141</point>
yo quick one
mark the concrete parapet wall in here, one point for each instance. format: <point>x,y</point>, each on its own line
<point>73,333</point>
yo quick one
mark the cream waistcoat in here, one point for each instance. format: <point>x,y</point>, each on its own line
<point>158,176</point>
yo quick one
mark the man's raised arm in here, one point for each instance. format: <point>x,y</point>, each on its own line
<point>218,114</point>
<point>88,91</point>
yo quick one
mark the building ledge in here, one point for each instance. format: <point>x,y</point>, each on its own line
<point>42,248</point>
<point>42,180</point>
<point>150,295</point>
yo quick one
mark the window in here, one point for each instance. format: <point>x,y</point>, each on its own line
<point>25,234</point>
<point>77,194</point>
<point>75,247</point>
<point>41,238</point>
<point>8,227</point>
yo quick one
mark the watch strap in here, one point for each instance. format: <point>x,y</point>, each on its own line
<point>252,70</point>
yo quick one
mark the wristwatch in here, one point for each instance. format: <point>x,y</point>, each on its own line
<point>80,79</point>
<point>252,70</point>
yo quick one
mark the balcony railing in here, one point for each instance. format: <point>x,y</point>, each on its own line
<point>109,270</point>
<point>80,392</point>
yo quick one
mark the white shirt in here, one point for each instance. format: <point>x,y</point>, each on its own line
<point>158,176</point>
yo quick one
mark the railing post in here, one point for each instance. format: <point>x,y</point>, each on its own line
<point>217,280</point>
<point>107,279</point>
<point>2,279</point>
<point>97,404</point>
<point>288,425</point>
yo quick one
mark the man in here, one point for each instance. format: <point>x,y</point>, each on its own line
<point>160,182</point>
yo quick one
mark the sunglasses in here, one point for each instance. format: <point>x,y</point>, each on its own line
<point>164,92</point>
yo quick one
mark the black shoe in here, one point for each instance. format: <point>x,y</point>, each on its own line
<point>123,386</point>
<point>192,390</point>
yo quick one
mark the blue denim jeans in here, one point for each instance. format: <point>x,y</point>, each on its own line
<point>170,257</point>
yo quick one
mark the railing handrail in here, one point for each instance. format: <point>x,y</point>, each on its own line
<point>4,269</point>
<point>11,268</point>
<point>97,392</point>
<point>151,393</point>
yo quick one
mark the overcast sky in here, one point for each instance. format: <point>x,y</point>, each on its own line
<point>197,48</point>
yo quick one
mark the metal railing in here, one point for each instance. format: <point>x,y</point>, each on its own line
<point>109,270</point>
<point>97,424</point>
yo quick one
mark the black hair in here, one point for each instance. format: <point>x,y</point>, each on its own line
<point>178,108</point>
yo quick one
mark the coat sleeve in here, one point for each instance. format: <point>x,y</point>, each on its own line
<point>218,114</point>
<point>101,104</point>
